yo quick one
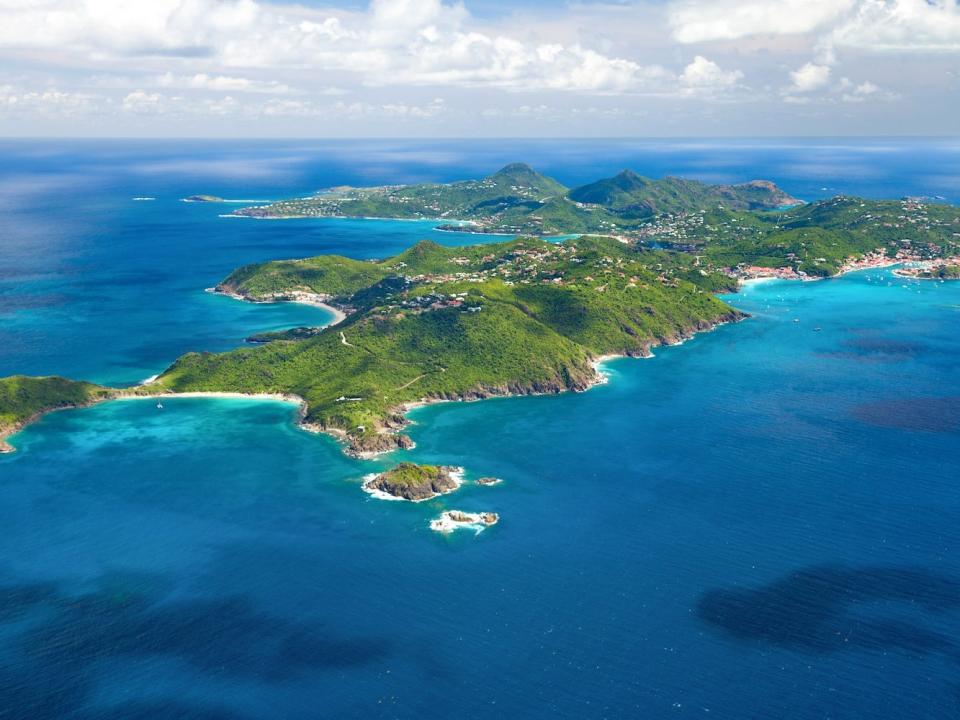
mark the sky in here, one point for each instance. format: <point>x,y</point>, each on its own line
<point>479,68</point>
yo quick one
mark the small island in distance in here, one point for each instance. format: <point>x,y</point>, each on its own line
<point>519,316</point>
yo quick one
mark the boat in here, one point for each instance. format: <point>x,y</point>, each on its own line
<point>159,406</point>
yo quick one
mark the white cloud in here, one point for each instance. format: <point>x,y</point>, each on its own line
<point>408,41</point>
<point>695,21</point>
<point>140,102</point>
<point>220,106</point>
<point>221,83</point>
<point>706,76</point>
<point>851,92</point>
<point>124,27</point>
<point>902,25</point>
<point>48,102</point>
<point>389,110</point>
<point>340,109</point>
<point>877,25</point>
<point>809,77</point>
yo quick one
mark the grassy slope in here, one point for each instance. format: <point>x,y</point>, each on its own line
<point>407,473</point>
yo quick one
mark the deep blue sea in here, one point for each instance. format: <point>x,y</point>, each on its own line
<point>761,523</point>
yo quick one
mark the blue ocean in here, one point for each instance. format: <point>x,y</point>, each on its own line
<point>763,522</point>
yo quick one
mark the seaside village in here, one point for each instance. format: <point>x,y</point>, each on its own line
<point>690,232</point>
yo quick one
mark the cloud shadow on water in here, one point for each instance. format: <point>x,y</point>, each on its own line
<point>829,608</point>
<point>941,415</point>
<point>61,640</point>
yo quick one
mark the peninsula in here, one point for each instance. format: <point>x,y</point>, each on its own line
<point>521,316</point>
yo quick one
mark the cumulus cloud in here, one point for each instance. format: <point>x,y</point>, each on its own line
<point>809,77</point>
<point>851,92</point>
<point>902,25</point>
<point>706,76</point>
<point>124,27</point>
<point>384,60</point>
<point>696,21</point>
<point>878,25</point>
<point>390,110</point>
<point>48,102</point>
<point>140,102</point>
<point>221,83</point>
<point>410,41</point>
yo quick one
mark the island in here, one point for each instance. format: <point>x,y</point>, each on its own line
<point>416,483</point>
<point>203,199</point>
<point>451,520</point>
<point>526,315</point>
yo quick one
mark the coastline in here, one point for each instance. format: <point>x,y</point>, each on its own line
<point>600,378</point>
<point>597,363</point>
<point>851,265</point>
<point>305,298</point>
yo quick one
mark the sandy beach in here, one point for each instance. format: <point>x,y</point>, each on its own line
<point>302,298</point>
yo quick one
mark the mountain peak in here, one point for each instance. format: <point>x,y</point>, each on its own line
<point>517,167</point>
<point>522,174</point>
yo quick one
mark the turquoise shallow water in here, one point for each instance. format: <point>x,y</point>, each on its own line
<point>759,523</point>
